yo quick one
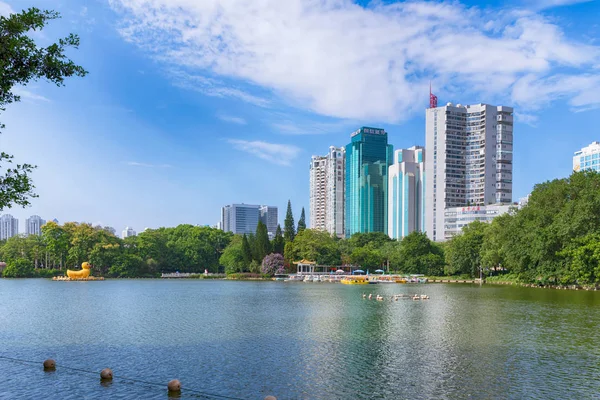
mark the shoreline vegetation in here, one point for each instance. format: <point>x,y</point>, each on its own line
<point>553,241</point>
<point>507,279</point>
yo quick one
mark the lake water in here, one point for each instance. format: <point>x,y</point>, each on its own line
<point>298,340</point>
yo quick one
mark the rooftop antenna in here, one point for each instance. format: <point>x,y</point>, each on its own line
<point>432,98</point>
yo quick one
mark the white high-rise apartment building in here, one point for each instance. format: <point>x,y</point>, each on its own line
<point>33,225</point>
<point>127,232</point>
<point>469,161</point>
<point>587,158</point>
<point>406,192</point>
<point>336,189</point>
<point>327,189</point>
<point>318,192</point>
<point>9,226</point>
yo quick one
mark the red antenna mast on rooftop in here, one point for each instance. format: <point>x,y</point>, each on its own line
<point>432,98</point>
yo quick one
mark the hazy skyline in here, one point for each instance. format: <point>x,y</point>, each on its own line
<point>190,105</point>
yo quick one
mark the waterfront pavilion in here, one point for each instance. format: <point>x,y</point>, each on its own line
<point>306,267</point>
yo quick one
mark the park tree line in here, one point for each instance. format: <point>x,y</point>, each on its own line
<point>554,239</point>
<point>185,248</point>
<point>415,254</point>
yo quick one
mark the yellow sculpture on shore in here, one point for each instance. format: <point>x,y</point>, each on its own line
<point>83,274</point>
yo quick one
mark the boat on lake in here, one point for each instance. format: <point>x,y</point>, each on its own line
<point>294,278</point>
<point>416,278</point>
<point>384,279</point>
<point>355,280</point>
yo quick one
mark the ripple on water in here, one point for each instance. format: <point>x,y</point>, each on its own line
<point>299,341</point>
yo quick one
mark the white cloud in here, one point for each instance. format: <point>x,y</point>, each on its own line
<point>146,165</point>
<point>528,119</point>
<point>582,91</point>
<point>299,127</point>
<point>232,119</point>
<point>544,4</point>
<point>339,59</point>
<point>281,154</point>
<point>213,87</point>
<point>29,95</point>
<point>5,9</point>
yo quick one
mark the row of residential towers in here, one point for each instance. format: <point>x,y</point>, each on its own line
<point>9,226</point>
<point>465,175</point>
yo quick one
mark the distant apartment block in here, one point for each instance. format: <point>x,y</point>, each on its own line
<point>327,191</point>
<point>9,226</point>
<point>523,201</point>
<point>469,160</point>
<point>587,158</point>
<point>33,225</point>
<point>243,218</point>
<point>406,192</point>
<point>268,216</point>
<point>127,232</point>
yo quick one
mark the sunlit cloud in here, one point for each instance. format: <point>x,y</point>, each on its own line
<point>232,119</point>
<point>281,154</point>
<point>5,9</point>
<point>528,119</point>
<point>340,59</point>
<point>545,4</point>
<point>29,95</point>
<point>146,165</point>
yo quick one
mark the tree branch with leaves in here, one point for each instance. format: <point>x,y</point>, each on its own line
<point>21,62</point>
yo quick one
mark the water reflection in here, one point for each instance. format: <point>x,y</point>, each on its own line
<point>305,341</point>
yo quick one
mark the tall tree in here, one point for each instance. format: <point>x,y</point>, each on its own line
<point>367,257</point>
<point>318,246</point>
<point>278,242</point>
<point>22,61</point>
<point>263,246</point>
<point>419,255</point>
<point>233,257</point>
<point>246,251</point>
<point>302,222</point>
<point>463,251</point>
<point>57,241</point>
<point>289,233</point>
<point>252,242</point>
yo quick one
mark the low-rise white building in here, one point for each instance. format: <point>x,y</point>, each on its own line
<point>455,218</point>
<point>523,201</point>
<point>587,158</point>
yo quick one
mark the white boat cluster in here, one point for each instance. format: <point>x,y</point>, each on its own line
<point>396,297</point>
<point>314,278</point>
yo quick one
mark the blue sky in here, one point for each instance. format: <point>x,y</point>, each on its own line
<point>190,105</point>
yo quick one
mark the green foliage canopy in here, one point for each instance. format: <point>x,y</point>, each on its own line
<point>22,61</point>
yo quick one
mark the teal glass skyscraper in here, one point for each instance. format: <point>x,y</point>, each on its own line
<point>368,157</point>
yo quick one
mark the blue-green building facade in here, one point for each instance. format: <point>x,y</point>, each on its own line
<point>368,157</point>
